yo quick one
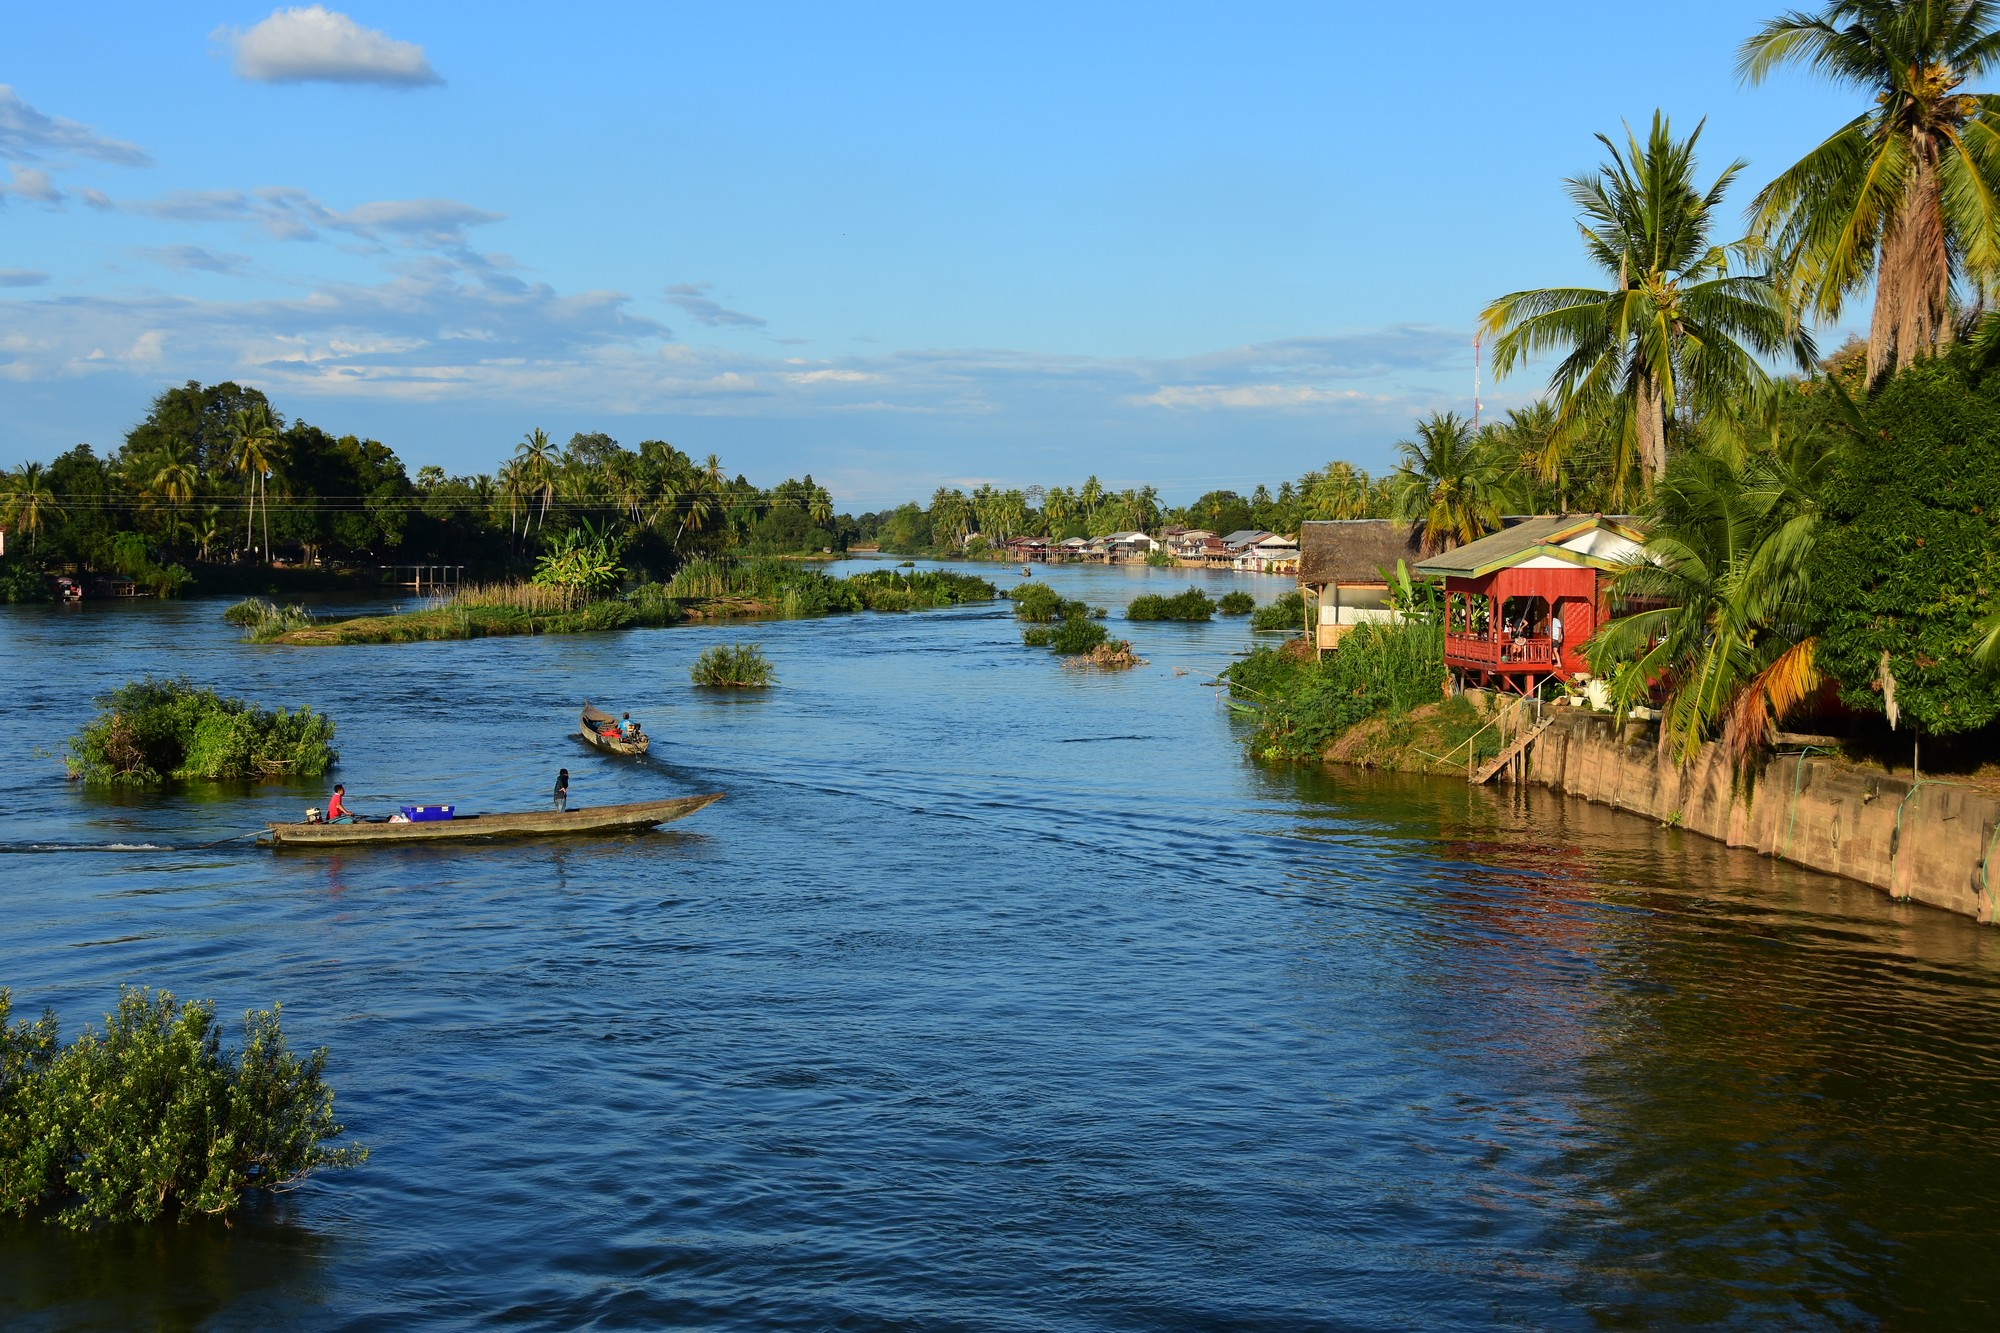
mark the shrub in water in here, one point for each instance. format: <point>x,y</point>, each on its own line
<point>151,1116</point>
<point>1076,636</point>
<point>152,730</point>
<point>1288,612</point>
<point>1188,604</point>
<point>1238,603</point>
<point>737,665</point>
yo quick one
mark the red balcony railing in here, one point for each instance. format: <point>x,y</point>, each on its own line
<point>1501,651</point>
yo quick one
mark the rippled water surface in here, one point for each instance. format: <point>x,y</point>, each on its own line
<point>995,996</point>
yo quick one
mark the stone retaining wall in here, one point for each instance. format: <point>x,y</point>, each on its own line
<point>1930,842</point>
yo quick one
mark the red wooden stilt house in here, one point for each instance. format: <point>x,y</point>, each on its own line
<point>1506,593</point>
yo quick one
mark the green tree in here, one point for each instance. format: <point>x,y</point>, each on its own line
<point>535,462</point>
<point>1910,563</point>
<point>257,444</point>
<point>1449,482</point>
<point>1680,329</point>
<point>28,504</point>
<point>1907,192</point>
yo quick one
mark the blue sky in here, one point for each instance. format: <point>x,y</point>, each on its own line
<point>893,245</point>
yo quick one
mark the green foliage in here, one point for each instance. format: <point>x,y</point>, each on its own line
<point>1074,636</point>
<point>1287,613</point>
<point>21,582</point>
<point>1053,621</point>
<point>1304,703</point>
<point>266,620</point>
<point>1236,603</point>
<point>1910,559</point>
<point>153,730</point>
<point>151,1116</point>
<point>1188,604</point>
<point>652,606</point>
<point>583,562</point>
<point>733,665</point>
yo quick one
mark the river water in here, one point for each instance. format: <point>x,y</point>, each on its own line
<point>995,995</point>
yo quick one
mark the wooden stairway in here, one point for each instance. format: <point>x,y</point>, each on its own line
<point>1506,756</point>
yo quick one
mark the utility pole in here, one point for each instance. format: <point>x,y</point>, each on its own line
<point>1478,336</point>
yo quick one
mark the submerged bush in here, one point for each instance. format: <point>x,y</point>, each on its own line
<point>152,730</point>
<point>1077,636</point>
<point>736,665</point>
<point>151,1116</point>
<point>1188,604</point>
<point>1288,612</point>
<point>1237,603</point>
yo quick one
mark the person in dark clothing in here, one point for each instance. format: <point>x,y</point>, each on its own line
<point>562,790</point>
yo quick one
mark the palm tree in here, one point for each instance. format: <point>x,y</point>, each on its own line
<point>819,508</point>
<point>1721,583</point>
<point>1339,492</point>
<point>28,503</point>
<point>1448,482</point>
<point>173,479</point>
<point>1092,493</point>
<point>949,514</point>
<point>255,438</point>
<point>1681,329</point>
<point>1907,192</point>
<point>535,457</point>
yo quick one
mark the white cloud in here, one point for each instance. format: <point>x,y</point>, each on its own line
<point>194,258</point>
<point>693,298</point>
<point>29,183</point>
<point>22,277</point>
<point>316,44</point>
<point>28,135</point>
<point>1248,395</point>
<point>288,214</point>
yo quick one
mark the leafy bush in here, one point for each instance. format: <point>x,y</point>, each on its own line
<point>734,665</point>
<point>151,1116</point>
<point>1908,557</point>
<point>1076,636</point>
<point>19,582</point>
<point>1287,613</point>
<point>1304,702</point>
<point>1188,604</point>
<point>581,562</point>
<point>652,606</point>
<point>152,730</point>
<point>1237,603</point>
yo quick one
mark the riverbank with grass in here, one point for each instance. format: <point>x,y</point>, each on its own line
<point>1386,675</point>
<point>706,590</point>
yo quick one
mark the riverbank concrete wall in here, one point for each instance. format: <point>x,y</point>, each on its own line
<point>1928,841</point>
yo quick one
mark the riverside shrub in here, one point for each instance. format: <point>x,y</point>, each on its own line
<point>151,1116</point>
<point>1237,603</point>
<point>1188,604</point>
<point>151,731</point>
<point>1287,613</point>
<point>1304,703</point>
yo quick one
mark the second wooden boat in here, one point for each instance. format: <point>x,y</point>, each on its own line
<point>601,730</point>
<point>603,819</point>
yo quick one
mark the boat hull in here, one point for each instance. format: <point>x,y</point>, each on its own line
<point>587,727</point>
<point>603,819</point>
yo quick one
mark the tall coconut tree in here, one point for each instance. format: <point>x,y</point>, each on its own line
<point>1449,481</point>
<point>1907,192</point>
<point>1682,327</point>
<point>535,458</point>
<point>1339,492</point>
<point>27,503</point>
<point>172,478</point>
<point>254,442</point>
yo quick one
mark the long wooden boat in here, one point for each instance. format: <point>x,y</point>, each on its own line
<point>592,726</point>
<point>540,824</point>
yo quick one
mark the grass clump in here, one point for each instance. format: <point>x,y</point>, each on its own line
<point>151,1117</point>
<point>265,621</point>
<point>1237,603</point>
<point>734,666</point>
<point>150,731</point>
<point>1188,604</point>
<point>1304,702</point>
<point>1287,613</point>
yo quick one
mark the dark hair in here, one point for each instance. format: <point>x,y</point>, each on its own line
<point>338,787</point>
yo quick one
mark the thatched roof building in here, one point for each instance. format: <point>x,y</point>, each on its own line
<point>1354,552</point>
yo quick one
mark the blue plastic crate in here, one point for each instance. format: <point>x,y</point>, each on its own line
<point>424,814</point>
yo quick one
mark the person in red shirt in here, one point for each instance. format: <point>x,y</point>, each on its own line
<point>336,810</point>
